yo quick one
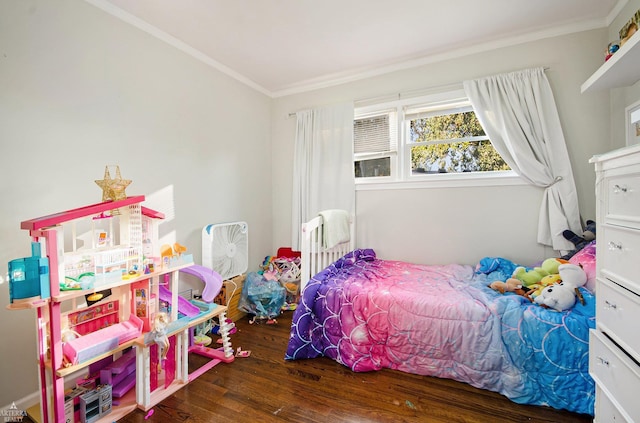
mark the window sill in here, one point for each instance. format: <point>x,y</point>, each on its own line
<point>445,181</point>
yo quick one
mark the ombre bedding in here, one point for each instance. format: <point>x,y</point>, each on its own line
<point>443,321</point>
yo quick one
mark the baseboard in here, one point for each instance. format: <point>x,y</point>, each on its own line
<point>24,403</point>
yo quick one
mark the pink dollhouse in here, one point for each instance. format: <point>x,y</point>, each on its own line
<point>108,255</point>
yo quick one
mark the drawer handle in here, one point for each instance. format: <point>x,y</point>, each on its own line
<point>614,246</point>
<point>603,361</point>
<point>618,189</point>
<point>610,305</point>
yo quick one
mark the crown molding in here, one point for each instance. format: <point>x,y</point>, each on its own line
<point>352,75</point>
<point>363,73</point>
<point>173,41</point>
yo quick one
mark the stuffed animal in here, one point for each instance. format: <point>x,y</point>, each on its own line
<point>511,285</point>
<point>535,275</point>
<point>562,296</point>
<point>579,242</point>
<point>537,288</point>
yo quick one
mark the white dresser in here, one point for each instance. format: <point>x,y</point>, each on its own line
<point>614,350</point>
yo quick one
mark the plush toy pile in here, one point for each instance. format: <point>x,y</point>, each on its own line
<point>554,284</point>
<point>530,283</point>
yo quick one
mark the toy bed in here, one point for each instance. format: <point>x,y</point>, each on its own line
<point>444,321</point>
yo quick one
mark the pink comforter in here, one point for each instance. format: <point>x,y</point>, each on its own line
<point>413,318</point>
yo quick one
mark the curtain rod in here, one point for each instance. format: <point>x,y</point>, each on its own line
<point>411,93</point>
<point>405,94</point>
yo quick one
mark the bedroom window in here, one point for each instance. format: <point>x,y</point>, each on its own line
<point>434,138</point>
<point>375,144</point>
<point>448,138</point>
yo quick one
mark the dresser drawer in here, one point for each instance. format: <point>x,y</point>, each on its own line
<point>617,314</point>
<point>619,255</point>
<point>615,373</point>
<point>606,410</point>
<point>623,200</point>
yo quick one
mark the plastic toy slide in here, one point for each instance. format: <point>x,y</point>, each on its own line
<point>212,280</point>
<point>184,306</point>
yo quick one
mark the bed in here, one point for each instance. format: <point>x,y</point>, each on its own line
<point>444,321</point>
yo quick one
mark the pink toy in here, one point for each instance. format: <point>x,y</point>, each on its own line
<point>99,342</point>
<point>184,306</point>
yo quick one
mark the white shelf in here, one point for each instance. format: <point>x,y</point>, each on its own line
<point>621,70</point>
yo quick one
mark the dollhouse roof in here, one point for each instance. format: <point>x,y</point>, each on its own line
<point>66,216</point>
<point>151,213</point>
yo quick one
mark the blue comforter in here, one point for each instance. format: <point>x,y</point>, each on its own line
<point>550,349</point>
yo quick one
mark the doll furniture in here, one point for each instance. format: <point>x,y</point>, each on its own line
<point>102,341</point>
<point>111,249</point>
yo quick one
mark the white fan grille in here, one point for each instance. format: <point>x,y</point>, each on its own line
<point>225,248</point>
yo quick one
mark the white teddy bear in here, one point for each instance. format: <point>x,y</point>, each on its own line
<point>562,295</point>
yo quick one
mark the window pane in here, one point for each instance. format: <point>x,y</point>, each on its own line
<point>445,127</point>
<point>373,168</point>
<point>456,157</point>
<point>371,134</point>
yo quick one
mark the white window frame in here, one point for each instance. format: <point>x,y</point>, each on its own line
<point>401,175</point>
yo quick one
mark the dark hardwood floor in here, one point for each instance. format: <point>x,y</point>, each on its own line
<point>265,388</point>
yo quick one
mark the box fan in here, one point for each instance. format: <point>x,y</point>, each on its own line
<point>225,248</point>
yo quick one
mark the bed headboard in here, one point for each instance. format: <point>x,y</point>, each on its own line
<point>315,257</point>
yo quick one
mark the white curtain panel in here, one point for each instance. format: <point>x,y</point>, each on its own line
<point>323,165</point>
<point>518,112</point>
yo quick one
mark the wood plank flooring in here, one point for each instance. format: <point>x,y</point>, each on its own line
<point>265,388</point>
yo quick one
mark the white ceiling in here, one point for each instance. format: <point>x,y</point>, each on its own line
<point>284,46</point>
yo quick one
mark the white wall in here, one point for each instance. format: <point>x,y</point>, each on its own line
<point>443,225</point>
<point>80,89</point>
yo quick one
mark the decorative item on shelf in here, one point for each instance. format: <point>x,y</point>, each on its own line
<point>113,189</point>
<point>611,49</point>
<point>629,28</point>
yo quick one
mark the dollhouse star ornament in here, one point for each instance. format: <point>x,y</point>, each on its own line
<point>113,189</point>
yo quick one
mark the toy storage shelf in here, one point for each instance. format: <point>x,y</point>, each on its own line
<point>621,70</point>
